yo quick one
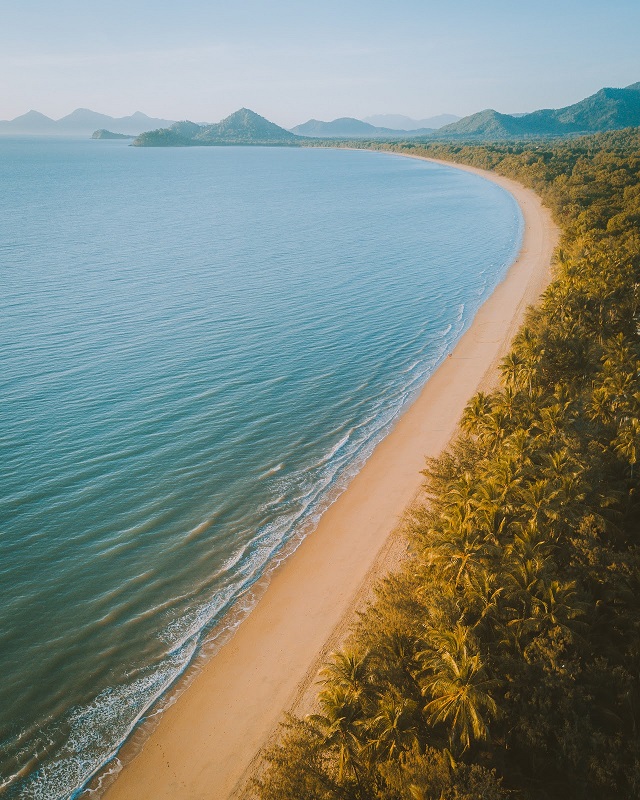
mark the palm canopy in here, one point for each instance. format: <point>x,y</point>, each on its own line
<point>459,688</point>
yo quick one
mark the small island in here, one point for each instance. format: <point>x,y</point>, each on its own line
<point>105,134</point>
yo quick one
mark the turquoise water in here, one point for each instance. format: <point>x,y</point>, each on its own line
<point>199,348</point>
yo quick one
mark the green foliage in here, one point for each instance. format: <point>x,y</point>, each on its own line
<point>243,127</point>
<point>509,643</point>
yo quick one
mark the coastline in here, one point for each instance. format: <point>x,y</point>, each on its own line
<point>206,744</point>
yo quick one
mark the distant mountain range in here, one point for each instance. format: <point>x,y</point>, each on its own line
<point>400,122</point>
<point>242,127</point>
<point>351,128</point>
<point>81,122</point>
<point>606,110</point>
<point>247,127</point>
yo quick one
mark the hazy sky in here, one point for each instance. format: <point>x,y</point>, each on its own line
<point>203,59</point>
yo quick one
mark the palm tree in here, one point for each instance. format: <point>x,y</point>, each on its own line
<point>340,724</point>
<point>494,429</point>
<point>517,449</point>
<point>495,505</point>
<point>599,407</point>
<point>617,355</point>
<point>568,476</point>
<point>479,405</point>
<point>482,595</point>
<point>504,475</point>
<point>393,727</point>
<point>523,579</point>
<point>540,503</point>
<point>460,550</point>
<point>627,442</point>
<point>462,495</point>
<point>621,386</point>
<point>460,691</point>
<point>508,402</point>
<point>558,603</point>
<point>553,420</point>
<point>510,367</point>
<point>349,671</point>
<point>395,655</point>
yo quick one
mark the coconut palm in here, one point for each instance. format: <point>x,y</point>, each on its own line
<point>460,690</point>
<point>479,405</point>
<point>523,581</point>
<point>340,725</point>
<point>627,442</point>
<point>393,727</point>
<point>495,504</point>
<point>558,603</point>
<point>348,670</point>
<point>460,551</point>
<point>483,594</point>
<point>553,421</point>
<point>462,495</point>
<point>510,367</point>
<point>508,402</point>
<point>539,503</point>
<point>395,658</point>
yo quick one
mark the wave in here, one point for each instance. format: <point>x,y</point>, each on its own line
<point>95,732</point>
<point>309,493</point>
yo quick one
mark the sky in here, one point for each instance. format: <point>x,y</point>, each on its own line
<point>291,61</point>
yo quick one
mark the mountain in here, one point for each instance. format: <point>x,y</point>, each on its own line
<point>242,127</point>
<point>81,122</point>
<point>400,122</point>
<point>606,110</point>
<point>82,118</point>
<point>487,123</point>
<point>350,128</point>
<point>31,122</point>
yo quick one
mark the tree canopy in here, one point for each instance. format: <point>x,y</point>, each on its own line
<point>503,659</point>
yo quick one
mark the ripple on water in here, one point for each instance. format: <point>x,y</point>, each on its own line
<point>190,376</point>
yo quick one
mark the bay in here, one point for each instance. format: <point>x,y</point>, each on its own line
<point>199,347</point>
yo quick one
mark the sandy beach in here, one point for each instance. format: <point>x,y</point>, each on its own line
<point>206,744</point>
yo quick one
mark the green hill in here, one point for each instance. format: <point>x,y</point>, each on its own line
<point>608,109</point>
<point>244,127</point>
<point>488,123</point>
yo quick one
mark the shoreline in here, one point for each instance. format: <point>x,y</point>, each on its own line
<point>207,743</point>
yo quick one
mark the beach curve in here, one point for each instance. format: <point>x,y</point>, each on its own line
<point>206,744</point>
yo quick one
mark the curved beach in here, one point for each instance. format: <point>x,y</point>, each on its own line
<point>206,744</point>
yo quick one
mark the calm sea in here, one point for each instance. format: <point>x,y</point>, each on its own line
<point>199,347</point>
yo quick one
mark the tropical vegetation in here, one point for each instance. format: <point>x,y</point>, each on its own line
<point>503,659</point>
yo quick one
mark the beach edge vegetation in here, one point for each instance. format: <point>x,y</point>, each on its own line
<point>502,659</point>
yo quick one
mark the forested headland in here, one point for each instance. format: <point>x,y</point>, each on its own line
<point>503,659</point>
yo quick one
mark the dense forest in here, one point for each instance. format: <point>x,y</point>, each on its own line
<point>502,660</point>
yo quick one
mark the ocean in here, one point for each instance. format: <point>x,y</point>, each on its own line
<point>199,348</point>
